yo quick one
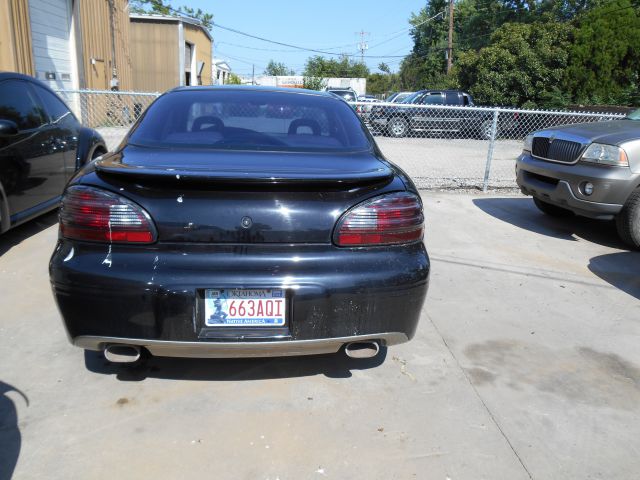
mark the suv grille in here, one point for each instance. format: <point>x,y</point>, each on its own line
<point>563,151</point>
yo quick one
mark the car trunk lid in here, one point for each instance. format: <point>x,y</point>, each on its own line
<point>245,197</point>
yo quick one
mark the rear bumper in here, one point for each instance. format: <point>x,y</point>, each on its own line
<point>239,349</point>
<point>560,184</point>
<point>153,296</point>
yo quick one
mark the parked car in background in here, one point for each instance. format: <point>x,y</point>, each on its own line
<point>398,97</point>
<point>403,119</point>
<point>217,236</point>
<point>42,144</point>
<point>365,104</point>
<point>589,169</point>
<point>348,94</point>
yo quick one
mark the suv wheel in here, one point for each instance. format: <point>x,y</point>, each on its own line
<point>552,210</point>
<point>628,220</point>
<point>397,127</point>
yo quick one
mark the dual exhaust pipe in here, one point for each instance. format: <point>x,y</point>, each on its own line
<point>368,349</point>
<point>122,353</point>
<point>119,353</point>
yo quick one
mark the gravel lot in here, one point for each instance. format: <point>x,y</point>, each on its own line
<point>452,163</point>
<point>447,163</point>
<point>525,365</point>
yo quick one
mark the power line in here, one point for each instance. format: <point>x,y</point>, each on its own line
<point>297,47</point>
<point>313,50</point>
<point>278,49</point>
<point>403,31</point>
<point>283,44</point>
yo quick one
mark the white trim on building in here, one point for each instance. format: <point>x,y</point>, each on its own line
<point>221,71</point>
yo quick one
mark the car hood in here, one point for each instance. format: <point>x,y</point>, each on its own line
<point>614,132</point>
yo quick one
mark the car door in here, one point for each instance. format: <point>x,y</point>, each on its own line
<point>452,120</point>
<point>417,115</point>
<point>32,168</point>
<point>64,128</point>
<point>430,119</point>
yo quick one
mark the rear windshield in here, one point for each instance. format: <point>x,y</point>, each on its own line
<point>250,120</point>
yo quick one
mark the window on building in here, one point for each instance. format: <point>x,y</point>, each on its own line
<point>188,58</point>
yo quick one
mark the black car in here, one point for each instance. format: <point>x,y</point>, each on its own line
<point>42,144</point>
<point>215,235</point>
<point>405,119</point>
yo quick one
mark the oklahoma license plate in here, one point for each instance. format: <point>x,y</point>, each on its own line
<point>244,308</point>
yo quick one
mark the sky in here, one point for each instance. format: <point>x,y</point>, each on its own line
<point>329,25</point>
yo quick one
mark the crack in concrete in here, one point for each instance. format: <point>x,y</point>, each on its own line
<point>493,418</point>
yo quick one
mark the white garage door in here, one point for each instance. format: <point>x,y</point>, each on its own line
<point>51,36</point>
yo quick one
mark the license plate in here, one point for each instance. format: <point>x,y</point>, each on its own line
<point>244,308</point>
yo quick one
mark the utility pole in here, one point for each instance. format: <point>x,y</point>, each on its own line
<point>362,46</point>
<point>253,74</point>
<point>450,48</point>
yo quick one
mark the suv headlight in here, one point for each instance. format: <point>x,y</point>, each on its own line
<point>528,143</point>
<point>605,155</point>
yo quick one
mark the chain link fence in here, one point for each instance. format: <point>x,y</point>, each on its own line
<point>439,146</point>
<point>111,113</point>
<point>443,146</point>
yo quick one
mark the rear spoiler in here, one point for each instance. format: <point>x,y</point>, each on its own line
<point>378,175</point>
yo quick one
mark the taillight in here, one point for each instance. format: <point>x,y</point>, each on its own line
<point>96,215</point>
<point>386,220</point>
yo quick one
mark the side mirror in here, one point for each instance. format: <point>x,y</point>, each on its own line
<point>8,128</point>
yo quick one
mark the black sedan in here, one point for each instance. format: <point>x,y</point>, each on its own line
<point>42,144</point>
<point>220,230</point>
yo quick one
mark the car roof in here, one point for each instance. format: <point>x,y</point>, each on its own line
<point>21,76</point>
<point>443,90</point>
<point>251,88</point>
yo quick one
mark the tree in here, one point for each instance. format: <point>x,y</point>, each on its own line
<point>314,83</point>
<point>383,83</point>
<point>234,79</point>
<point>605,55</point>
<point>425,66</point>
<point>345,67</point>
<point>163,7</point>
<point>383,67</point>
<point>524,65</point>
<point>278,69</point>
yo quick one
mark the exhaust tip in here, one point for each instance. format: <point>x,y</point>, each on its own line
<point>362,349</point>
<point>122,353</point>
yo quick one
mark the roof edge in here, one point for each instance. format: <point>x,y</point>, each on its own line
<point>171,19</point>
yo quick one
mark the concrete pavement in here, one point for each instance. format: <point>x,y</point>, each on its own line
<point>525,365</point>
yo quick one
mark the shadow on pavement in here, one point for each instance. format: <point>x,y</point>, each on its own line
<point>16,235</point>
<point>522,213</point>
<point>334,366</point>
<point>10,440</point>
<point>622,270</point>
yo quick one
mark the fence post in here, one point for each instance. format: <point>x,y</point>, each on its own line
<point>492,143</point>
